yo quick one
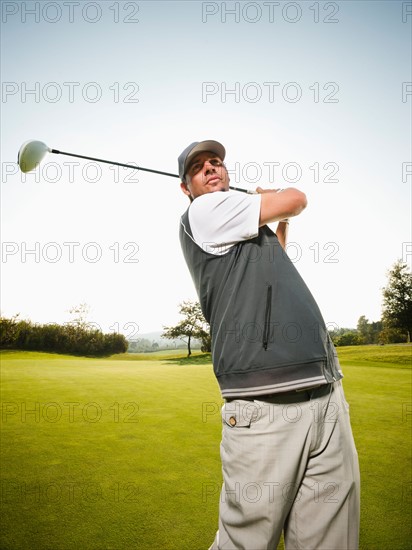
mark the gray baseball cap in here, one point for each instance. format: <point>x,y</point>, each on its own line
<point>199,147</point>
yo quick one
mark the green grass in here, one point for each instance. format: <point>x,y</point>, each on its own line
<point>399,355</point>
<point>123,452</point>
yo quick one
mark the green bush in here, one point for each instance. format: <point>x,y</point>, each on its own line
<point>69,338</point>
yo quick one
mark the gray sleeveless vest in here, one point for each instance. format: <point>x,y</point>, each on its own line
<point>268,335</point>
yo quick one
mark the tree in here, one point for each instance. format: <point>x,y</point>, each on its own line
<point>349,338</point>
<point>206,343</point>
<point>397,299</point>
<point>363,329</point>
<point>67,338</point>
<point>192,326</point>
<point>337,332</point>
<point>80,314</point>
<point>369,333</point>
<point>8,331</point>
<point>391,336</point>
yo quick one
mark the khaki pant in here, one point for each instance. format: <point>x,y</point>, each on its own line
<point>289,463</point>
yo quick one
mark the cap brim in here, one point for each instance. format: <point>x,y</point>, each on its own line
<point>205,146</point>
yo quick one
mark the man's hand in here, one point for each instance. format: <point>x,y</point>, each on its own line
<point>278,204</point>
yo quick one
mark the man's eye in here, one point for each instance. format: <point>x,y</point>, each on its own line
<point>196,168</point>
<point>215,162</point>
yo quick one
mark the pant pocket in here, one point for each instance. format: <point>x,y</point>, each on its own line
<point>240,413</point>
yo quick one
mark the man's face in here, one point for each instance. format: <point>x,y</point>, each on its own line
<point>205,174</point>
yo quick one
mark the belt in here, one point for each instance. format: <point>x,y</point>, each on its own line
<point>293,396</point>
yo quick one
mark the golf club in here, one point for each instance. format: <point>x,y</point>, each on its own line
<point>32,152</point>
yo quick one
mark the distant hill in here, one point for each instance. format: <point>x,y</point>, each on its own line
<point>155,336</point>
<point>152,341</point>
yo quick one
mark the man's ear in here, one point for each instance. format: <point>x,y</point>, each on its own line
<point>228,177</point>
<point>184,188</point>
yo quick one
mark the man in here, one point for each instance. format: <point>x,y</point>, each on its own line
<point>288,455</point>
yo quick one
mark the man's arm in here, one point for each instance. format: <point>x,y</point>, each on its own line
<point>277,205</point>
<point>282,232</point>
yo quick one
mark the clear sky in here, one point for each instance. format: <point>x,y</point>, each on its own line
<point>315,95</point>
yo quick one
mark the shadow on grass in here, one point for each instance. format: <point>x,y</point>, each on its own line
<point>203,359</point>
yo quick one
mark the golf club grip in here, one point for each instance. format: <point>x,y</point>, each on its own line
<point>248,191</point>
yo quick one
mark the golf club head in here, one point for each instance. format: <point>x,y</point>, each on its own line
<point>31,154</point>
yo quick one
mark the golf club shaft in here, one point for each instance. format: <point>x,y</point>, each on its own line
<point>113,162</point>
<point>57,152</point>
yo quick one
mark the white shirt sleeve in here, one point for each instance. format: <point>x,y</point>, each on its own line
<point>219,220</point>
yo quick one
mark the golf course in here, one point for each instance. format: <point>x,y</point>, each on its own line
<point>123,452</point>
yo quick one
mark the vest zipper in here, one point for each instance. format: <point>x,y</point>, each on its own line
<point>267,317</point>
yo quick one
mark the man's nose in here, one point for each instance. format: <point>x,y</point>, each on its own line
<point>208,166</point>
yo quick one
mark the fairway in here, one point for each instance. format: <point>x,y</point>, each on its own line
<point>123,452</point>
